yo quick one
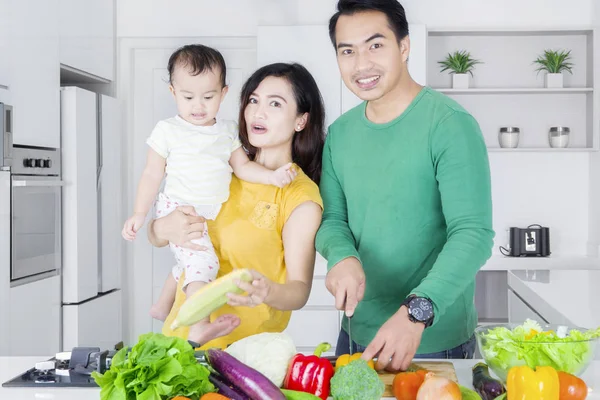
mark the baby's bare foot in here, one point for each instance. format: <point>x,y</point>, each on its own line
<point>204,332</point>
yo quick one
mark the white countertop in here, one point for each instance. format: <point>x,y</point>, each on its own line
<point>13,366</point>
<point>560,296</point>
<point>498,262</point>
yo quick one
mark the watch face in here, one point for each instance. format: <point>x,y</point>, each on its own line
<point>421,309</point>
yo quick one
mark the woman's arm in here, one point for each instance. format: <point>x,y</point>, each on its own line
<point>299,251</point>
<point>179,227</point>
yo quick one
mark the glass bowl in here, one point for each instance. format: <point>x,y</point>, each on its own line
<point>566,348</point>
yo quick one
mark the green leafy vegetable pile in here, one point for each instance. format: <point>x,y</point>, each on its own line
<point>157,368</point>
<point>528,344</point>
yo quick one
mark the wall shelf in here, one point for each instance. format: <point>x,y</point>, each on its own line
<point>583,90</point>
<point>506,90</point>
<point>542,150</point>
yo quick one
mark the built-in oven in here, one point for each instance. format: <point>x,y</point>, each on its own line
<point>36,237</point>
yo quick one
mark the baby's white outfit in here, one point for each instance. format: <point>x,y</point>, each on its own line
<point>197,174</point>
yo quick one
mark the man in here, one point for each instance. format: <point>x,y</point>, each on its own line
<point>407,217</point>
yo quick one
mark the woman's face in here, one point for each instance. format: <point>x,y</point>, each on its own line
<point>271,114</point>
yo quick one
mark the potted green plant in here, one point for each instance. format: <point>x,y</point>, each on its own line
<point>554,63</point>
<point>461,64</point>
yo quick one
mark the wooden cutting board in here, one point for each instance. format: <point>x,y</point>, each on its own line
<point>441,368</point>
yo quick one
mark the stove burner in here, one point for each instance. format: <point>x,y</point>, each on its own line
<point>45,378</point>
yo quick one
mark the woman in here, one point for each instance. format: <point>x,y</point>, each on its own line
<point>268,230</point>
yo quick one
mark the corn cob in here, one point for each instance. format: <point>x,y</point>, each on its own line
<point>210,298</point>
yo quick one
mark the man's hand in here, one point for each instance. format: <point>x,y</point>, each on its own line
<point>181,227</point>
<point>346,282</point>
<point>396,342</point>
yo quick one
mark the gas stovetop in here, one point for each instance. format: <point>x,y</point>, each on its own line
<point>68,369</point>
<point>71,369</point>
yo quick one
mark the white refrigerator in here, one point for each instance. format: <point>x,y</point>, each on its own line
<point>92,219</point>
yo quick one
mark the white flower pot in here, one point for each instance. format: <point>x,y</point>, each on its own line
<point>460,81</point>
<point>554,80</point>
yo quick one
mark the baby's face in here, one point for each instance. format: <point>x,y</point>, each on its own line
<point>198,97</point>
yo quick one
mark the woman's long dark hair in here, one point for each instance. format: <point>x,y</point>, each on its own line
<point>307,145</point>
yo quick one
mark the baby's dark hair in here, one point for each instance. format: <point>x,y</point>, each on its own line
<point>198,58</point>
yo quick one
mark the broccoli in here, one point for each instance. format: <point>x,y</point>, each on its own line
<point>356,381</point>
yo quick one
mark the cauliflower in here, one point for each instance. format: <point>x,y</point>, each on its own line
<point>356,381</point>
<point>268,353</point>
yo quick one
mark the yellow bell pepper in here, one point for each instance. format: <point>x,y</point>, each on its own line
<point>347,358</point>
<point>523,383</point>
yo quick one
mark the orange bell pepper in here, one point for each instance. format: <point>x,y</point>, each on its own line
<point>523,383</point>
<point>347,358</point>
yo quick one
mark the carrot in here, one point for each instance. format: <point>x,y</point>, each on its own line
<point>213,396</point>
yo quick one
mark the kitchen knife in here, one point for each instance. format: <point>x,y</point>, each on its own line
<point>350,333</point>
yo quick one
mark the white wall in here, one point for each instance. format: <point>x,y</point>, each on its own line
<point>241,17</point>
<point>564,202</point>
<point>473,13</point>
<point>194,18</point>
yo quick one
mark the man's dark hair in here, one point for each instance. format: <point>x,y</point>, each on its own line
<point>198,58</point>
<point>391,8</point>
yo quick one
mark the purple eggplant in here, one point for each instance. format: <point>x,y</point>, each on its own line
<point>486,386</point>
<point>226,388</point>
<point>246,379</point>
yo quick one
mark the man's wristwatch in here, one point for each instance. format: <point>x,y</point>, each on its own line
<point>420,309</point>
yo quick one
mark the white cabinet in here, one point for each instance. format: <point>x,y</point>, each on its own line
<point>87,36</point>
<point>94,323</point>
<point>34,320</point>
<point>80,199</point>
<point>5,96</point>
<point>4,40</point>
<point>310,46</point>
<point>519,311</point>
<point>34,71</point>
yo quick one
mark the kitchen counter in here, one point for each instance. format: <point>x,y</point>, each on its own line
<point>12,366</point>
<point>498,262</point>
<point>560,296</point>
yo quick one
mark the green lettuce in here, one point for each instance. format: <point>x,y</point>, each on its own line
<point>528,344</point>
<point>157,368</point>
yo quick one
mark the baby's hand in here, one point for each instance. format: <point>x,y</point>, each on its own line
<point>132,225</point>
<point>283,176</point>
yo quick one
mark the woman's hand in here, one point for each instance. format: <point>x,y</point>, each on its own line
<point>257,291</point>
<point>179,227</point>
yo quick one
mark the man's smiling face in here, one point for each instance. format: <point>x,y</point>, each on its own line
<point>370,59</point>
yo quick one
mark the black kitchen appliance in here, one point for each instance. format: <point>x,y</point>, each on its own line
<point>72,372</point>
<point>72,369</point>
<point>533,241</point>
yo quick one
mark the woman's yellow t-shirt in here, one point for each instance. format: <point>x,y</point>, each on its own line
<point>247,234</point>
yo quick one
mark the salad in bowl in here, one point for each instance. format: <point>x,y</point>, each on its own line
<point>565,348</point>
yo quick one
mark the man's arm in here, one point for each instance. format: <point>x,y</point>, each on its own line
<point>334,239</point>
<point>463,174</point>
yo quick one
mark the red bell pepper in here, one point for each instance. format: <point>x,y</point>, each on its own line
<point>310,374</point>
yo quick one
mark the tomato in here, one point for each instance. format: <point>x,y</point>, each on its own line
<point>571,387</point>
<point>406,384</point>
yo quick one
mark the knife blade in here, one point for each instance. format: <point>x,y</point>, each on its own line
<point>350,334</point>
